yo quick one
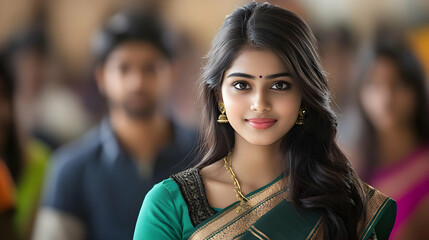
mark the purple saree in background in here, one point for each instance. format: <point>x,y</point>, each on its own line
<point>407,182</point>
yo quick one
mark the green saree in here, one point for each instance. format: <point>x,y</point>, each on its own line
<point>271,216</point>
<point>268,214</point>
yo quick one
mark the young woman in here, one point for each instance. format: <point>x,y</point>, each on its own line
<point>270,168</point>
<point>395,141</point>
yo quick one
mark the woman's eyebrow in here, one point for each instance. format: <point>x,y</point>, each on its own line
<point>285,74</point>
<point>244,75</point>
<point>238,74</point>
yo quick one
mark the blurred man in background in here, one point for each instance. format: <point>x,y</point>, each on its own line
<point>97,184</point>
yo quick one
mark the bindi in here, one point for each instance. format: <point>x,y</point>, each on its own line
<point>260,76</point>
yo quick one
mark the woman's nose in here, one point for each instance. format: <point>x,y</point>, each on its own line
<point>260,102</point>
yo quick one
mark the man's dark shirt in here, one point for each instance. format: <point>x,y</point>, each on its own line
<point>97,182</point>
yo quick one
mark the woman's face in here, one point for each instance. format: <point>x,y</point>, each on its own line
<point>262,101</point>
<point>387,100</point>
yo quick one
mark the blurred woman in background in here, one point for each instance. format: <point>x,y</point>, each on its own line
<point>25,158</point>
<point>395,140</point>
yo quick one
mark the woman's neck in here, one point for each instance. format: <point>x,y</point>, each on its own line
<point>255,165</point>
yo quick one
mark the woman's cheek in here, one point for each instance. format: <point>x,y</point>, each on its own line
<point>234,105</point>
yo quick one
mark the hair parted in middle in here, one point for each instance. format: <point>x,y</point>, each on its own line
<point>319,175</point>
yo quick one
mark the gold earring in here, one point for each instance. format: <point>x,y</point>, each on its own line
<point>301,118</point>
<point>222,116</point>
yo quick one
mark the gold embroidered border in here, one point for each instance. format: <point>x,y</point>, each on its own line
<point>316,232</point>
<point>254,230</point>
<point>370,226</point>
<point>227,226</point>
<point>255,234</point>
<point>376,202</point>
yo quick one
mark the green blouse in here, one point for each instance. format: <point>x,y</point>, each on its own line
<point>164,214</point>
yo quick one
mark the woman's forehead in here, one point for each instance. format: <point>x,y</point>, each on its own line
<point>257,62</point>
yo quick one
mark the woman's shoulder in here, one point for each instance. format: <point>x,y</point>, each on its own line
<point>188,175</point>
<point>164,188</point>
<point>169,190</point>
<point>371,194</point>
<point>376,200</point>
<point>192,190</point>
<point>209,172</point>
<point>178,189</point>
<point>380,212</point>
<point>163,214</point>
<point>173,184</point>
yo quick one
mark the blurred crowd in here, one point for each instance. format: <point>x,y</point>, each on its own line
<point>87,129</point>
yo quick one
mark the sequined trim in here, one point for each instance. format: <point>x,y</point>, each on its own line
<point>192,188</point>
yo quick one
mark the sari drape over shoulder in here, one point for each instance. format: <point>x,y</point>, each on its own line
<point>270,215</point>
<point>177,208</point>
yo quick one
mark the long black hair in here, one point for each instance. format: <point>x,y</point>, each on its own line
<point>320,177</point>
<point>389,43</point>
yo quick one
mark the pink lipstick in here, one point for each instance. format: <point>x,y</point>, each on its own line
<point>261,123</point>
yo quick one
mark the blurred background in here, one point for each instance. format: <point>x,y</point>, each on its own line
<point>47,48</point>
<point>67,28</point>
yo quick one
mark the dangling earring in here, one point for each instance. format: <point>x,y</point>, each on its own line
<point>301,118</point>
<point>222,116</point>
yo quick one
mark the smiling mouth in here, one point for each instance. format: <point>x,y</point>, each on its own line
<point>261,123</point>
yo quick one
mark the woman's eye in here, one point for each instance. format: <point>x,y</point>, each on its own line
<point>281,86</point>
<point>241,86</point>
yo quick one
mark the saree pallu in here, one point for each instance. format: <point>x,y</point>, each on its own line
<point>269,215</point>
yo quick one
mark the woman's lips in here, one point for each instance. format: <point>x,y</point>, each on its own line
<point>261,123</point>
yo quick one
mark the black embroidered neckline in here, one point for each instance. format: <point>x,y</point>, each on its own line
<point>192,189</point>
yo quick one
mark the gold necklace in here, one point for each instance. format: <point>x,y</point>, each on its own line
<point>238,193</point>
